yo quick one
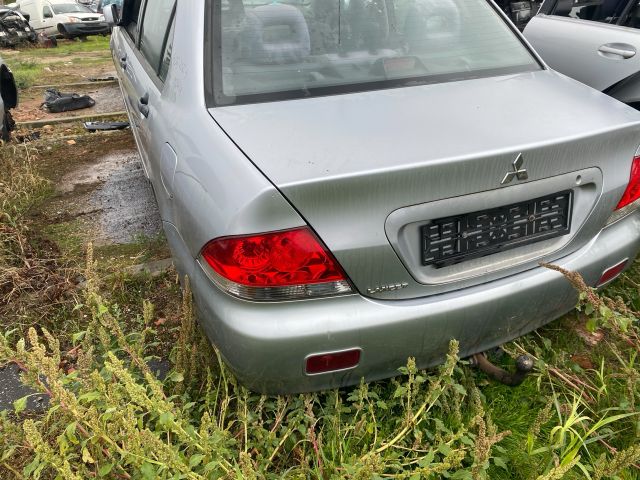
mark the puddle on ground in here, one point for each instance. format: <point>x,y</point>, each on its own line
<point>112,197</point>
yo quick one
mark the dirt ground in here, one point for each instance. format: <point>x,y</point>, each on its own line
<point>100,191</point>
<point>108,99</point>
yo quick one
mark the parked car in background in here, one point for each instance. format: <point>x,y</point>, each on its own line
<point>101,4</point>
<point>63,18</point>
<point>14,28</point>
<point>8,100</point>
<point>594,41</point>
<point>349,185</point>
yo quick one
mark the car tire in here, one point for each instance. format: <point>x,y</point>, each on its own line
<point>63,32</point>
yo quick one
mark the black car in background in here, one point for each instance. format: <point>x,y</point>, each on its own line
<point>15,28</point>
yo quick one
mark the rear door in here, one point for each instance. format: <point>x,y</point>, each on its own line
<point>593,41</point>
<point>124,44</point>
<point>145,65</point>
<point>147,62</point>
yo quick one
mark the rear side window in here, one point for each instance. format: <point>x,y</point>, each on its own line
<point>154,30</point>
<point>605,11</point>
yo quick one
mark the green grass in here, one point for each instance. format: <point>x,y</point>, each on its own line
<point>33,65</point>
<point>93,44</point>
<point>25,72</point>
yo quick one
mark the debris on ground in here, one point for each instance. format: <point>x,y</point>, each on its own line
<point>46,42</point>
<point>107,78</point>
<point>590,338</point>
<point>29,137</point>
<point>105,126</point>
<point>15,29</point>
<point>56,102</point>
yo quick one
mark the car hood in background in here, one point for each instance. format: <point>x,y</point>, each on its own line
<point>85,16</point>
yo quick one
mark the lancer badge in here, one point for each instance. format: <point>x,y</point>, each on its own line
<point>518,172</point>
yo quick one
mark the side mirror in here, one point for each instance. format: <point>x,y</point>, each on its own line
<point>48,15</point>
<point>111,15</point>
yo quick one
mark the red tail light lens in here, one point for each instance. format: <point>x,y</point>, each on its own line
<point>261,266</point>
<point>632,193</point>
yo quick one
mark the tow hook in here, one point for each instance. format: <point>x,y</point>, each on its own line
<point>524,365</point>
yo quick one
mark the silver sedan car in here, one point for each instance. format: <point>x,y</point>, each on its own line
<point>351,183</point>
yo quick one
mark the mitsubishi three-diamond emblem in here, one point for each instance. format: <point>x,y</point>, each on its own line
<point>518,171</point>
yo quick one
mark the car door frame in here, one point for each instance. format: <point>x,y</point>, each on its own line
<point>151,156</point>
<point>134,113</point>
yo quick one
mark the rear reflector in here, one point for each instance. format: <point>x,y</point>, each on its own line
<point>611,273</point>
<point>332,362</point>
<point>284,265</point>
<point>632,193</point>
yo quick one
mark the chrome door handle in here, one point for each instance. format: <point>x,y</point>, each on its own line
<point>617,49</point>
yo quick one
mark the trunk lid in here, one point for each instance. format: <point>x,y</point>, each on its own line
<point>368,170</point>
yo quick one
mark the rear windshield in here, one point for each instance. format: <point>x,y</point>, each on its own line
<point>69,8</point>
<point>270,50</point>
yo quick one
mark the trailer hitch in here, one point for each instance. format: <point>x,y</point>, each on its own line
<point>524,365</point>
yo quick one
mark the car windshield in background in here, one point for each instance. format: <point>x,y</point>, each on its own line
<point>266,50</point>
<point>70,8</point>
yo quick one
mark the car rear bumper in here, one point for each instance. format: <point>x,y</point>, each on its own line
<point>266,343</point>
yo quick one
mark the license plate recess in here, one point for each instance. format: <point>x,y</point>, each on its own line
<point>451,240</point>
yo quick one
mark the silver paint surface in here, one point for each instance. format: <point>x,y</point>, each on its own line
<point>578,48</point>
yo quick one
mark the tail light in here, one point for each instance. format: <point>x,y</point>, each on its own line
<point>631,198</point>
<point>285,265</point>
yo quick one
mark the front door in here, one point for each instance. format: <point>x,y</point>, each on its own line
<point>48,23</point>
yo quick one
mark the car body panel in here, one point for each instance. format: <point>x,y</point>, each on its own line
<point>586,51</point>
<point>346,165</point>
<point>573,47</point>
<point>341,161</point>
<point>265,344</point>
<point>212,179</point>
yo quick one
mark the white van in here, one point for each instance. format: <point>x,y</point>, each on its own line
<point>63,18</point>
